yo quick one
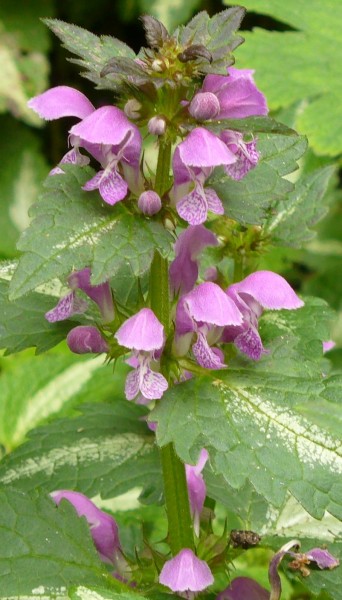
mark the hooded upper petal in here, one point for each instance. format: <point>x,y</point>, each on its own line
<point>207,303</point>
<point>61,101</point>
<point>106,125</point>
<point>186,572</point>
<point>143,331</point>
<point>201,148</point>
<point>269,289</point>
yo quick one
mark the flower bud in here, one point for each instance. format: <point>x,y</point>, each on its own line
<point>156,126</point>
<point>149,203</point>
<point>204,105</point>
<point>132,108</point>
<point>86,338</point>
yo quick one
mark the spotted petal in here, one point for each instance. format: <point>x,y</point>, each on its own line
<point>68,306</point>
<point>193,208</point>
<point>249,342</point>
<point>132,384</point>
<point>204,354</point>
<point>152,385</point>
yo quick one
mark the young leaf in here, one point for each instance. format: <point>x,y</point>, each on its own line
<point>94,51</point>
<point>251,199</point>
<point>299,65</point>
<point>108,451</point>
<point>44,549</point>
<point>292,219</point>
<point>217,34</point>
<point>77,230</point>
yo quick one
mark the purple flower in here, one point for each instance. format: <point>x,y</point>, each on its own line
<point>327,346</point>
<point>204,311</point>
<point>184,268</point>
<point>103,527</point>
<point>193,162</point>
<point>260,290</point>
<point>322,558</point>
<point>120,142</point>
<point>196,487</point>
<point>236,93</point>
<point>186,573</point>
<point>101,294</point>
<point>143,334</point>
<point>86,339</point>
<point>246,154</point>
<point>244,588</point>
<point>106,133</point>
<point>70,304</point>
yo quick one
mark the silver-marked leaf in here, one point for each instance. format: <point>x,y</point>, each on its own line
<point>252,426</point>
<point>108,450</point>
<point>83,592</point>
<point>72,229</point>
<point>43,548</point>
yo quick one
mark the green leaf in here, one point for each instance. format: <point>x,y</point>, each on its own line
<point>299,64</point>
<point>250,200</point>
<point>44,548</point>
<point>72,229</point>
<point>106,451</point>
<point>22,322</point>
<point>83,592</point>
<point>34,389</point>
<point>291,223</point>
<point>94,51</point>
<point>217,34</point>
<point>250,125</point>
<point>22,169</point>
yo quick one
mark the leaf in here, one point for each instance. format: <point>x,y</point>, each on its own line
<point>23,324</point>
<point>83,592</point>
<point>72,229</point>
<point>22,169</point>
<point>299,65</point>
<point>292,219</point>
<point>94,51</point>
<point>170,13</point>
<point>250,125</point>
<point>106,451</point>
<point>251,199</point>
<point>44,548</point>
<point>217,34</point>
<point>34,389</point>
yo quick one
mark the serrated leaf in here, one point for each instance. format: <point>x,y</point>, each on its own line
<point>72,229</point>
<point>107,451</point>
<point>250,200</point>
<point>250,125</point>
<point>23,324</point>
<point>94,51</point>
<point>217,34</point>
<point>299,65</point>
<point>44,548</point>
<point>37,388</point>
<point>291,223</point>
<point>170,13</point>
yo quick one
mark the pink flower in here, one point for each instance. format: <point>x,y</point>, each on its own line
<point>196,487</point>
<point>186,573</point>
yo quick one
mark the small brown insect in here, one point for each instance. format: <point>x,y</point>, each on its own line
<point>241,538</point>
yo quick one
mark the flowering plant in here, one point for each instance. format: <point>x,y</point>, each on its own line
<point>153,228</point>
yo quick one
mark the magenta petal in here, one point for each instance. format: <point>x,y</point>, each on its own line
<point>196,487</point>
<point>201,148</point>
<point>208,303</point>
<point>112,187</point>
<point>152,385</point>
<point>132,384</point>
<point>186,572</point>
<point>204,354</point>
<point>61,101</point>
<point>204,105</point>
<point>86,339</point>
<point>244,588</point>
<point>322,558</point>
<point>247,156</point>
<point>94,182</point>
<point>103,527</point>
<point>329,345</point>
<point>193,208</point>
<point>143,331</point>
<point>67,307</point>
<point>269,289</point>
<point>101,294</point>
<point>106,125</point>
<point>249,342</point>
<point>214,203</point>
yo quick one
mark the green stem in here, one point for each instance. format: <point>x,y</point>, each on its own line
<point>175,486</point>
<point>163,167</point>
<point>177,501</point>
